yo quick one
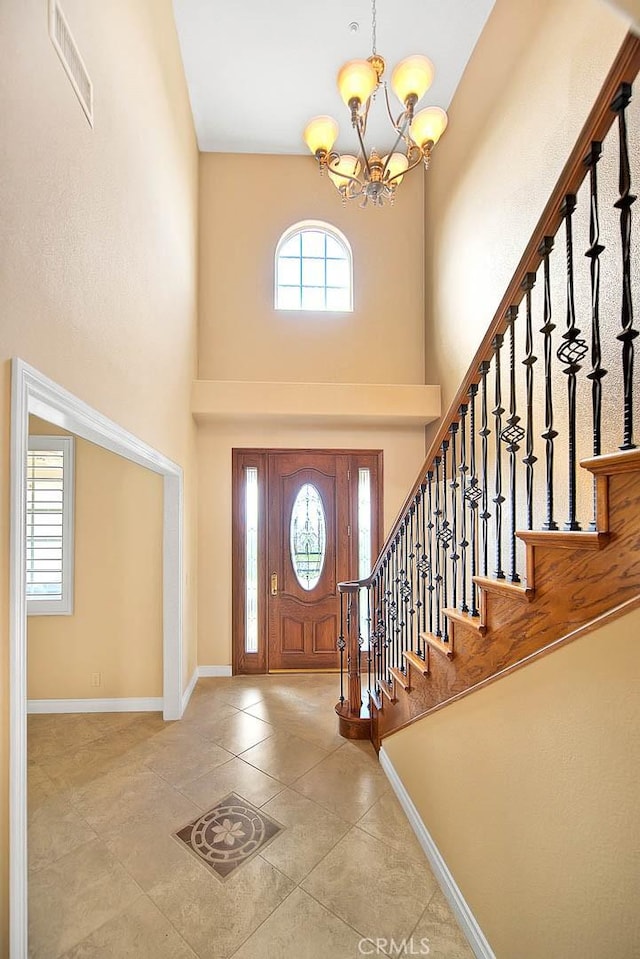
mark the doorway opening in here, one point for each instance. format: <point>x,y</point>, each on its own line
<point>33,393</point>
<point>303,521</point>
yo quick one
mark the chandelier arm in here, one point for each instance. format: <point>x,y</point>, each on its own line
<point>400,124</point>
<point>390,154</point>
<point>412,163</point>
<point>365,117</point>
<point>363,149</point>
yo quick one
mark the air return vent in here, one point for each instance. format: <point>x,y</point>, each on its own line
<point>70,58</point>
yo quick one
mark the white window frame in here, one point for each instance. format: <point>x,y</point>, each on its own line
<point>63,606</point>
<point>335,234</point>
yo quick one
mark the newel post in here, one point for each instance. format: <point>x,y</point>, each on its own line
<point>353,716</point>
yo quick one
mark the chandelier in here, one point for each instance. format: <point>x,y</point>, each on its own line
<point>367,174</point>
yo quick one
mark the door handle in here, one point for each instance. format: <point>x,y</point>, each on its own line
<point>274,584</point>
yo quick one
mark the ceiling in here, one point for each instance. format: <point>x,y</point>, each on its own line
<point>258,70</point>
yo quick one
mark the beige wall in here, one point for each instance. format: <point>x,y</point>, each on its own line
<point>529,788</point>
<point>630,8</point>
<point>403,453</point>
<point>246,203</point>
<point>116,625</point>
<point>533,77</point>
<point>97,244</point>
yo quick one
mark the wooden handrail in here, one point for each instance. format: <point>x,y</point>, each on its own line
<point>598,123</point>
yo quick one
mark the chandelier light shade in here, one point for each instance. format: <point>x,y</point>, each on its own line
<point>357,80</point>
<point>428,126</point>
<point>320,134</point>
<point>412,78</point>
<point>366,174</point>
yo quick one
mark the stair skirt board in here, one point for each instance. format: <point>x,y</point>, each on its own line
<point>129,705</point>
<point>462,912</point>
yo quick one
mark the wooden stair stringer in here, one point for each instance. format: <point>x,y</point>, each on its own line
<point>573,586</point>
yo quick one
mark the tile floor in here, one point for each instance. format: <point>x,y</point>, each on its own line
<point>109,880</point>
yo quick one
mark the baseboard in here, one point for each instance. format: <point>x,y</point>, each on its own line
<point>186,696</point>
<point>204,671</point>
<point>128,705</point>
<point>461,910</point>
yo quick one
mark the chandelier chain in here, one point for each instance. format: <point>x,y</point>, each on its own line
<point>374,25</point>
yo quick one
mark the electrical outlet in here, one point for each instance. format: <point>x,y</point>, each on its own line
<point>96,679</point>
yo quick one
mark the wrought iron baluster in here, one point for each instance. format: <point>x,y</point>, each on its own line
<point>528,362</point>
<point>497,411</point>
<point>384,620</point>
<point>379,594</point>
<point>444,541</point>
<point>438,525</point>
<point>463,508</point>
<point>549,434</point>
<point>419,582</point>
<point>422,567</point>
<point>624,203</point>
<point>485,432</point>
<point>570,353</point>
<point>512,435</point>
<point>368,621</point>
<point>388,640</point>
<point>396,602</point>
<point>341,647</point>
<point>399,602</point>
<point>411,583</point>
<point>429,557</point>
<point>593,253</point>
<point>473,494</point>
<point>348,624</point>
<point>454,556</point>
<point>401,594</point>
<point>402,591</point>
<point>373,629</point>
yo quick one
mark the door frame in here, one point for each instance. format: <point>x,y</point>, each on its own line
<point>33,392</point>
<point>258,663</point>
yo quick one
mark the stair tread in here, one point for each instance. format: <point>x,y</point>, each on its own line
<point>388,691</point>
<point>400,678</point>
<point>516,591</point>
<point>564,539</point>
<point>417,662</point>
<point>436,643</point>
<point>473,622</point>
<point>625,461</point>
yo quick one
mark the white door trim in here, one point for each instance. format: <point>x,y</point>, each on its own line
<point>32,392</point>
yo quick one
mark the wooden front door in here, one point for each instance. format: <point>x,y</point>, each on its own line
<point>292,547</point>
<point>308,537</point>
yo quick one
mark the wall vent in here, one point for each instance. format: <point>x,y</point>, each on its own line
<point>70,58</point>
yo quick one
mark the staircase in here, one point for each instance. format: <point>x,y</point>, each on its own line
<point>478,574</point>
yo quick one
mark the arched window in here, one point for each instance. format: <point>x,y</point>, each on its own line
<point>314,269</point>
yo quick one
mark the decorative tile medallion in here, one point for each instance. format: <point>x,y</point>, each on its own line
<point>228,835</point>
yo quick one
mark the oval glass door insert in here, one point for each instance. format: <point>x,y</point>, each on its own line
<point>308,538</point>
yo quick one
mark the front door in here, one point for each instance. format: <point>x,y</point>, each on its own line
<point>308,539</point>
<point>304,521</point>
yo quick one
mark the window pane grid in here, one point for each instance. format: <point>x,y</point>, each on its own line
<point>309,271</point>
<point>45,490</point>
<point>48,524</point>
